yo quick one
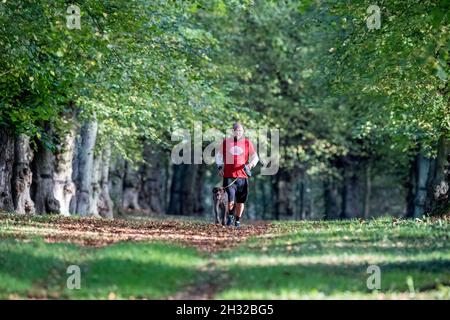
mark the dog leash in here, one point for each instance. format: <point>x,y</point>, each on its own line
<point>230,183</point>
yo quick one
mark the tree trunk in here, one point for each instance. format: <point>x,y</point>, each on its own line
<point>151,197</point>
<point>198,193</point>
<point>188,189</point>
<point>258,198</point>
<point>367,190</point>
<point>331,195</point>
<point>116,183</point>
<point>175,202</point>
<point>6,169</point>
<point>439,191</point>
<point>183,199</point>
<point>266,205</point>
<point>105,204</point>
<point>411,186</point>
<point>284,192</point>
<point>274,197</point>
<point>167,180</point>
<point>131,188</point>
<point>422,172</point>
<point>301,212</point>
<point>75,172</point>
<point>351,191</point>
<point>308,200</point>
<point>64,187</point>
<point>88,137</point>
<point>100,203</point>
<point>23,176</point>
<point>43,186</point>
<point>94,195</point>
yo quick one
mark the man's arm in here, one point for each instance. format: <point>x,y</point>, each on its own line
<point>253,158</point>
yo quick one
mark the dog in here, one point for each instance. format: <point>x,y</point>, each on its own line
<point>220,199</point>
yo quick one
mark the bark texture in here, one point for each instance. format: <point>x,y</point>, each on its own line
<point>438,195</point>
<point>131,188</point>
<point>116,182</point>
<point>88,137</point>
<point>185,189</point>
<point>43,184</point>
<point>6,169</point>
<point>64,187</point>
<point>23,176</point>
<point>418,186</point>
<point>331,199</point>
<point>352,190</point>
<point>151,197</point>
<point>283,184</point>
<point>105,204</point>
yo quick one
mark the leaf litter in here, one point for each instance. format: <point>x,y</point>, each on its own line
<point>97,232</point>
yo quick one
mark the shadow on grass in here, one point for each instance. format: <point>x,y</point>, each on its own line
<point>368,236</point>
<point>138,271</point>
<point>38,270</point>
<point>319,259</point>
<point>294,281</point>
<point>394,248</point>
<point>406,240</point>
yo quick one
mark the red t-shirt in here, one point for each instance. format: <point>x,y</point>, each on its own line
<point>235,156</point>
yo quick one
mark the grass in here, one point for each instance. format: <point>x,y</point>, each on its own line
<point>311,260</point>
<point>294,260</point>
<point>124,271</point>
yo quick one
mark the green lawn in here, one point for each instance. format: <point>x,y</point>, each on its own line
<point>310,260</point>
<point>123,271</point>
<point>294,260</point>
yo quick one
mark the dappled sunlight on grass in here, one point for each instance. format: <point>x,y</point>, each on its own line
<point>329,259</point>
<point>124,270</point>
<point>292,294</point>
<point>284,260</point>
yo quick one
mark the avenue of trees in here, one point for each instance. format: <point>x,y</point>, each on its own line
<point>86,115</point>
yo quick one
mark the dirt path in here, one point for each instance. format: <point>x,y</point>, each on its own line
<point>97,232</point>
<point>207,284</point>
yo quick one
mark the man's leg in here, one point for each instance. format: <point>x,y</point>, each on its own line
<point>241,198</point>
<point>231,191</point>
<point>231,207</point>
<point>239,210</point>
<point>231,212</point>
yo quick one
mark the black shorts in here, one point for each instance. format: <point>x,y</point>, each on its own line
<point>238,191</point>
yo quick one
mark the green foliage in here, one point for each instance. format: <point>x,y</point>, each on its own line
<point>140,68</point>
<point>312,69</point>
<point>272,59</point>
<point>399,72</point>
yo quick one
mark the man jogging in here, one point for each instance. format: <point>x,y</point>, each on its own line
<point>235,158</point>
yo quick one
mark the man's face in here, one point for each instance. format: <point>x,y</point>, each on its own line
<point>238,132</point>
